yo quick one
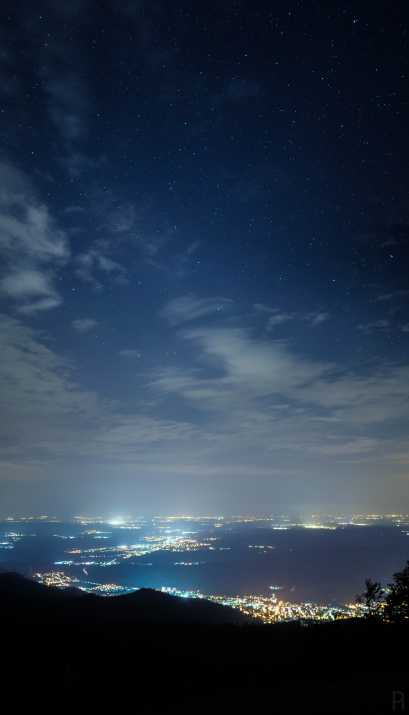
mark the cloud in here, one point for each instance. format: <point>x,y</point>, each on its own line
<point>94,266</point>
<point>32,290</point>
<point>130,353</point>
<point>262,308</point>
<point>395,295</point>
<point>131,228</point>
<point>40,305</point>
<point>42,411</point>
<point>317,318</point>
<point>188,308</point>
<point>373,398</point>
<point>182,261</point>
<point>76,163</point>
<point>252,366</point>
<point>67,105</point>
<point>134,433</point>
<point>240,405</point>
<point>26,226</point>
<point>128,229</point>
<point>360,445</point>
<point>374,325</point>
<point>261,392</point>
<point>84,325</point>
<point>278,317</point>
<point>32,246</point>
<point>25,284</point>
<point>46,416</point>
<point>123,219</point>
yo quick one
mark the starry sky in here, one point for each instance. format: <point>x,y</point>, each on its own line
<point>204,241</point>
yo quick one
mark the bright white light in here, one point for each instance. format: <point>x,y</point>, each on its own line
<point>118,521</point>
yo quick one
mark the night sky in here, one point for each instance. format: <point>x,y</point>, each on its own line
<point>204,241</point>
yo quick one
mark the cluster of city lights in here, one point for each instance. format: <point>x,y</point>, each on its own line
<point>270,609</point>
<point>180,534</point>
<point>267,609</point>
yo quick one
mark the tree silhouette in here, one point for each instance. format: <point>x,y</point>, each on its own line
<point>397,601</point>
<point>372,598</point>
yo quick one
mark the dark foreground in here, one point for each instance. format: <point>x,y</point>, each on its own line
<point>152,653</point>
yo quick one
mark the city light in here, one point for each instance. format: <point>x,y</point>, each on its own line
<point>89,544</point>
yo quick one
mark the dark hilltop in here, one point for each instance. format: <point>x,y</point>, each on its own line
<point>167,654</point>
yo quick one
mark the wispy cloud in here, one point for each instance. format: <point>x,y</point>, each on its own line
<point>84,325</point>
<point>278,317</point>
<point>317,318</point>
<point>123,220</point>
<point>39,400</point>
<point>31,244</point>
<point>26,225</point>
<point>375,325</point>
<point>267,392</point>
<point>45,415</point>
<point>31,289</point>
<point>188,308</point>
<point>77,163</point>
<point>95,266</point>
<point>395,295</point>
<point>67,105</point>
<point>340,448</point>
<point>250,368</point>
<point>130,353</point>
<point>242,404</point>
<point>128,229</point>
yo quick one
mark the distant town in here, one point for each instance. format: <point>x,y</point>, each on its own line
<point>180,534</point>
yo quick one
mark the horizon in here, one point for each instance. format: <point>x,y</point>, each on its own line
<point>291,517</point>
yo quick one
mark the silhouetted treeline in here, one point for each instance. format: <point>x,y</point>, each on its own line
<point>390,603</point>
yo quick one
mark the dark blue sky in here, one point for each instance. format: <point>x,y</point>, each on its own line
<point>204,234</point>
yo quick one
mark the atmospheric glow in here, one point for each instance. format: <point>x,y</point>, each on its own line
<point>117,521</point>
